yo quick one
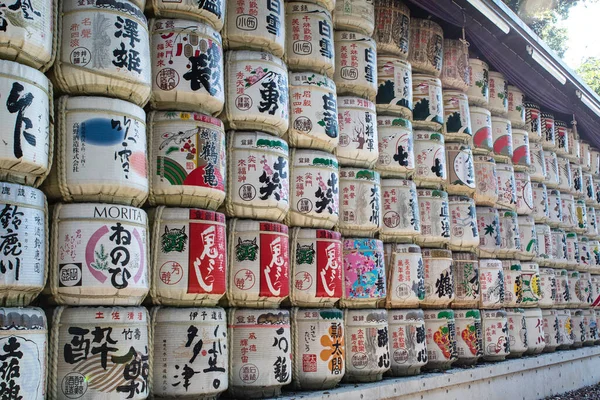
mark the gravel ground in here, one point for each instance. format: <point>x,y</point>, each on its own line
<point>587,393</point>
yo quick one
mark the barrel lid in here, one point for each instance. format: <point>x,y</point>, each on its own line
<point>91,211</point>
<point>571,235</point>
<point>103,315</point>
<point>261,317</point>
<point>12,193</point>
<point>553,312</point>
<point>22,318</point>
<point>162,26</point>
<point>311,79</point>
<point>192,315</point>
<point>184,117</point>
<point>15,71</point>
<point>562,272</point>
<point>564,312</point>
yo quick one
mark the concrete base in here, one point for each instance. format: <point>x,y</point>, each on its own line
<point>529,378</point>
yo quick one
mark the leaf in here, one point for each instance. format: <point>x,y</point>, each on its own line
<point>321,122</point>
<point>30,138</point>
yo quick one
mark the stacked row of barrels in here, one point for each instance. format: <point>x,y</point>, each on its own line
<point>292,158</point>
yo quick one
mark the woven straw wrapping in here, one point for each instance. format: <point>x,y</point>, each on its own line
<point>392,26</point>
<point>357,146</point>
<point>190,10</point>
<point>455,68</point>
<point>426,46</point>
<point>355,16</point>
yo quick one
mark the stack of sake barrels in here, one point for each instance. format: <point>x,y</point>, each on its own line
<point>27,50</point>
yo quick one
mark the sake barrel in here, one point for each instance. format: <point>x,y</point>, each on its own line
<point>517,332</point>
<point>496,344</point>
<point>595,163</point>
<point>317,331</point>
<point>428,107</point>
<point>440,328</point>
<point>533,122</point>
<point>479,90</point>
<point>469,336</point>
<point>597,313</point>
<point>548,288</point>
<point>481,124</point>
<point>400,211</point>
<point>187,160</point>
<point>460,178</point>
<point>559,248</point>
<point>491,282</point>
<point>586,156</point>
<point>435,218</point>
<point>516,107</point>
<point>24,233</point>
<point>507,187</point>
<point>569,220</point>
<point>548,131</point>
<point>367,347</point>
<point>488,224</point>
<point>576,296</point>
<point>486,190</point>
<point>257,248</point>
<point>530,284</point>
<point>313,125</point>
<point>574,149</point>
<point>455,65</point>
<point>561,138</point>
<point>595,280</point>
<point>316,260</point>
<point>27,155</point>
<point>314,200</point>
<point>579,329</point>
<point>541,212</point>
<point>309,45</point>
<point>108,54</point>
<point>99,254</point>
<point>521,155</point>
<point>405,275</point>
<point>392,26</point>
<point>555,207</point>
<point>544,242</point>
<point>503,143</point>
<point>498,94</point>
<point>212,12</point>
<point>354,15</point>
<point>585,279</point>
<point>255,25</point>
<point>329,5</point>
<point>594,246</point>
<point>577,187</point>
<point>258,176</point>
<point>513,284</point>
<point>592,227</point>
<point>463,224</point>
<point>394,87</point>
<point>590,189</point>
<point>359,143</point>
<point>396,155</point>
<point>256,87</point>
<point>90,345</point>
<point>408,347</point>
<point>260,352</point>
<point>537,169</point>
<point>457,118</point>
<point>535,331</point>
<point>581,219</point>
<point>426,45</point>
<point>355,63</point>
<point>188,255</point>
<point>597,195</point>
<point>178,336</point>
<point>551,334</point>
<point>440,289</point>
<point>24,344</point>
<point>566,333</point>
<point>565,177</point>
<point>591,322</point>
<point>563,291</point>
<point>430,159</point>
<point>528,237</point>
<point>187,59</point>
<point>466,277</point>
<point>524,193</point>
<point>99,134</point>
<point>360,202</point>
<point>364,273</point>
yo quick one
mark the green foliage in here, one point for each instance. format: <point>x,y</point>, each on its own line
<point>589,70</point>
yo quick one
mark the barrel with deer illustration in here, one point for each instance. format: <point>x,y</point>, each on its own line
<point>481,124</point>
<point>255,25</point>
<point>392,26</point>
<point>496,343</point>
<point>396,147</point>
<point>118,64</point>
<point>488,224</point>
<point>455,65</point>
<point>258,184</point>
<point>178,337</point>
<point>360,202</point>
<point>188,255</point>
<point>524,193</point>
<point>314,112</point>
<point>359,144</point>
<point>257,248</point>
<point>257,93</point>
<point>211,12</point>
<point>355,16</point>
<point>486,191</point>
<point>516,107</point>
<point>99,134</point>
<point>355,63</point>
<point>190,76</point>
<point>316,267</point>
<point>498,105</point>
<point>314,199</point>
<point>479,91</point>
<point>428,102</point>
<point>464,234</point>
<point>408,347</point>
<point>363,273</point>
<point>460,178</point>
<point>540,210</point>
<point>457,117</point>
<point>548,288</point>
<point>394,87</point>
<point>491,283</point>
<point>426,44</point>
<point>400,211</point>
<point>95,350</point>
<point>466,278</point>
<point>440,332</point>
<point>435,218</point>
<point>430,159</point>
<point>405,275</point>
<point>528,237</point>
<point>469,336</point>
<point>309,30</point>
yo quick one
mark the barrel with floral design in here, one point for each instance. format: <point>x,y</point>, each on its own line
<point>440,327</point>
